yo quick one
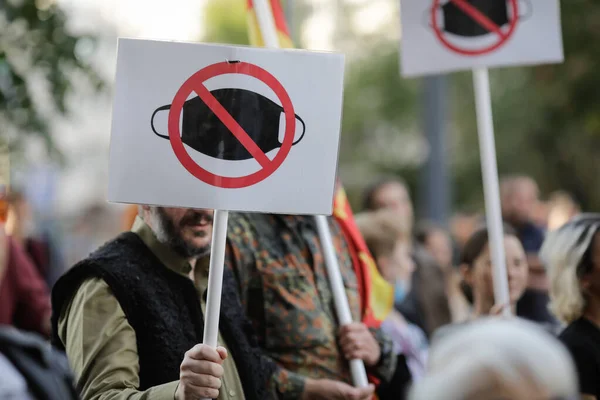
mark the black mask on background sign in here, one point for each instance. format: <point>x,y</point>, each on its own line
<point>460,23</point>
<point>203,131</point>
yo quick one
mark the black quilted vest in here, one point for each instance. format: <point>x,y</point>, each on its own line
<point>164,310</point>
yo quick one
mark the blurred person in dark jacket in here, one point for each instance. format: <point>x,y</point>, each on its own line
<point>24,297</point>
<point>427,305</point>
<point>32,370</point>
<point>20,226</point>
<point>437,242</point>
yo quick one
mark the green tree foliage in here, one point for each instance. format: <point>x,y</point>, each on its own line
<point>38,57</point>
<point>547,118</point>
<point>225,22</point>
<point>378,119</point>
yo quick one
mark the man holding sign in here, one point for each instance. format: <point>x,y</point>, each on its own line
<point>127,315</point>
<point>214,127</point>
<point>280,269</point>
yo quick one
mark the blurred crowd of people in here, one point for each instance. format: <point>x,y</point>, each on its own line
<point>130,317</point>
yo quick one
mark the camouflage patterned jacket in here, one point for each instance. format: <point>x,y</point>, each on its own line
<point>283,285</point>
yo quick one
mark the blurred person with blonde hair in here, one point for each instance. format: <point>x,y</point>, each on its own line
<point>498,359</point>
<point>572,256</point>
<point>388,237</point>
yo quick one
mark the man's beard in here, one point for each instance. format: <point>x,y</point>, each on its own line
<point>167,233</point>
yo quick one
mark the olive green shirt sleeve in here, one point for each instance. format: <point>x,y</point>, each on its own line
<point>102,348</point>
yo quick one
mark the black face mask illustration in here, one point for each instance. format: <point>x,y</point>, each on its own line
<point>203,131</point>
<point>458,22</point>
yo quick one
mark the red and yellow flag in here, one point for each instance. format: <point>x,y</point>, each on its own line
<point>283,34</point>
<point>377,295</point>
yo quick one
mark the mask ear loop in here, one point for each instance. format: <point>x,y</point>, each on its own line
<point>529,9</point>
<point>303,130</point>
<point>163,108</point>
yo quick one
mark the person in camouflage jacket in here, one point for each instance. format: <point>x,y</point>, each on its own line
<point>280,270</point>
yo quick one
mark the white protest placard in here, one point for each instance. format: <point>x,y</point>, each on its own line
<point>224,127</point>
<point>451,35</point>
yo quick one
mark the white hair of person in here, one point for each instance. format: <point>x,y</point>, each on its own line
<point>562,253</point>
<point>472,361</point>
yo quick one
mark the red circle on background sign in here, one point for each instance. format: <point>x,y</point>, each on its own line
<point>474,52</point>
<point>198,79</point>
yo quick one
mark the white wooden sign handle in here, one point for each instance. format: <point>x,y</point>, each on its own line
<point>215,279</point>
<point>489,169</point>
<point>340,300</point>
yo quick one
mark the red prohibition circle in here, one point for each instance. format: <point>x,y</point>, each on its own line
<point>474,52</point>
<point>191,85</point>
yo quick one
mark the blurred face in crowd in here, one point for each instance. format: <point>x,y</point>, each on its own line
<point>19,221</point>
<point>520,201</point>
<point>404,264</point>
<point>438,244</point>
<point>398,265</point>
<point>480,276</point>
<point>394,196</point>
<point>590,282</point>
<point>462,227</point>
<point>397,268</point>
<point>187,231</point>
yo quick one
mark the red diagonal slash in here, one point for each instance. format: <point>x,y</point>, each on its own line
<point>478,16</point>
<point>231,124</point>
